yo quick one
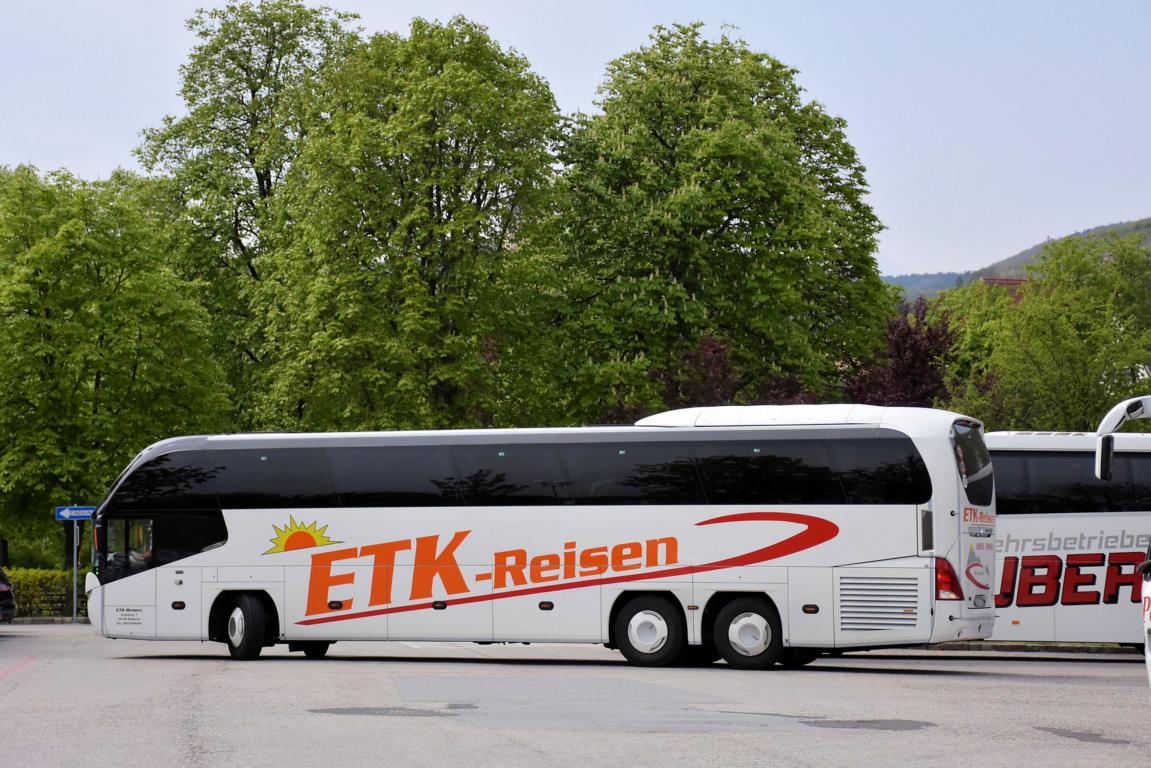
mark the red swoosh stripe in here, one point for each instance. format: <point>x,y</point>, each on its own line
<point>974,580</point>
<point>816,532</point>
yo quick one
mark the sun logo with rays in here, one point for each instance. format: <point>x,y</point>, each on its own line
<point>298,536</point>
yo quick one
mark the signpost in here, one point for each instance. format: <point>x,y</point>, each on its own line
<point>75,514</point>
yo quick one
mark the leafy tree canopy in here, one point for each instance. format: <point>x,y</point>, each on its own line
<point>389,290</point>
<point>1075,342</point>
<point>104,350</point>
<point>249,87</point>
<point>708,200</point>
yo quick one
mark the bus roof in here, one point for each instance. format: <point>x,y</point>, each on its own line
<point>1063,441</point>
<point>911,421</point>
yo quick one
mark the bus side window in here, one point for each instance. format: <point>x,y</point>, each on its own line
<point>790,471</point>
<point>130,548</point>
<point>394,476</point>
<point>1140,474</point>
<point>498,475</point>
<point>274,478</point>
<point>882,470</point>
<point>1012,488</point>
<point>1066,482</point>
<point>631,473</point>
<point>141,546</point>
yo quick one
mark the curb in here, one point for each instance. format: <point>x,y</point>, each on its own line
<point>49,620</point>
<point>1032,647</point>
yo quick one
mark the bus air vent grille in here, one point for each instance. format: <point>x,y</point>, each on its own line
<point>875,603</point>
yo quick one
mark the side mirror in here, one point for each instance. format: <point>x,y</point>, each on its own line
<point>1135,408</point>
<point>1104,456</point>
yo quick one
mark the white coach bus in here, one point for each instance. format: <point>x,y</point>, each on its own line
<point>1135,408</point>
<point>758,534</point>
<point>1069,544</point>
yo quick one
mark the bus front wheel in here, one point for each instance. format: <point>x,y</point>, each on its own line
<point>650,631</point>
<point>316,649</point>
<point>748,634</point>
<point>245,628</point>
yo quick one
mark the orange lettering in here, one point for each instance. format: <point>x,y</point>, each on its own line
<point>569,560</point>
<point>510,564</point>
<point>384,564</point>
<point>431,564</point>
<point>623,554</point>
<point>670,551</point>
<point>593,561</point>
<point>545,568</point>
<point>321,580</point>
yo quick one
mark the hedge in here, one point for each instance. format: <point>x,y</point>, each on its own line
<point>44,592</point>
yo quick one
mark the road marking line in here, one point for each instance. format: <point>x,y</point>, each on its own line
<point>17,666</point>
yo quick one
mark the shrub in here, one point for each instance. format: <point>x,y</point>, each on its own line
<point>44,592</point>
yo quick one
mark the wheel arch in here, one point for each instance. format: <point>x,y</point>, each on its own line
<point>719,600</point>
<point>226,600</point>
<point>625,597</point>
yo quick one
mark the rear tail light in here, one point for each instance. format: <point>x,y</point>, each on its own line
<point>947,586</point>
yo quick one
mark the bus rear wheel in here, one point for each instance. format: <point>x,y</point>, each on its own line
<point>245,628</point>
<point>748,634</point>
<point>650,631</point>
<point>316,649</point>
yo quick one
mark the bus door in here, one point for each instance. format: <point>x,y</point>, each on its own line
<point>129,581</point>
<point>179,602</point>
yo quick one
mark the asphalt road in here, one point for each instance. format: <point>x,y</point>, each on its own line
<point>70,698</point>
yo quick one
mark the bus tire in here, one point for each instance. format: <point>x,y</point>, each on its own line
<point>245,628</point>
<point>798,657</point>
<point>650,631</point>
<point>316,649</point>
<point>748,634</point>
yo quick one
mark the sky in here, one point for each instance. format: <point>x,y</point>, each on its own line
<point>985,127</point>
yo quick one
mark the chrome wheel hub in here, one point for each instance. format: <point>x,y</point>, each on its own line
<point>647,631</point>
<point>749,634</point>
<point>236,627</point>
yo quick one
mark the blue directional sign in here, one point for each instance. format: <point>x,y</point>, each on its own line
<point>74,513</point>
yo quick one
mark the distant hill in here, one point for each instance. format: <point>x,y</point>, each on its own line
<point>930,284</point>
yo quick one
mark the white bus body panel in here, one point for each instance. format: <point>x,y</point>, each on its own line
<point>179,603</point>
<point>1083,550</point>
<point>129,606</point>
<point>1147,618</point>
<point>883,603</point>
<point>871,579</point>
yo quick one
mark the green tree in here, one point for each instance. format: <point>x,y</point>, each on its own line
<point>1066,347</point>
<point>104,350</point>
<point>249,87</point>
<point>390,296</point>
<point>709,203</point>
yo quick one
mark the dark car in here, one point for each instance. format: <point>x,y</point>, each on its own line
<point>7,599</point>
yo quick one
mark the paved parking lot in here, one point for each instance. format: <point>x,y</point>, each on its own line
<point>71,698</point>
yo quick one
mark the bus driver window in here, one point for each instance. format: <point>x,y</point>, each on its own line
<point>129,547</point>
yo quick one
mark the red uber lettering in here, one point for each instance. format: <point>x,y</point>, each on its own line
<point>1039,580</point>
<point>1074,578</point>
<point>1117,577</point>
<point>1006,594</point>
